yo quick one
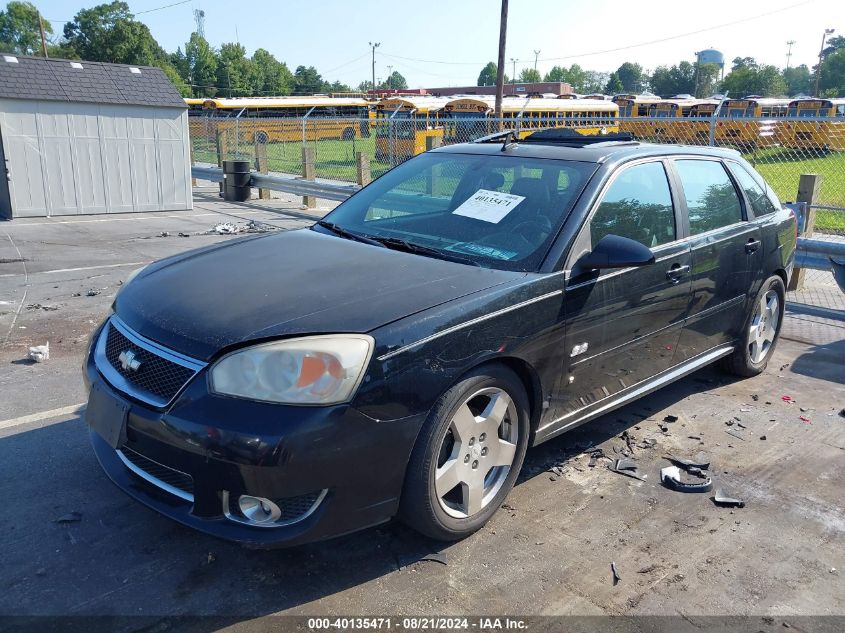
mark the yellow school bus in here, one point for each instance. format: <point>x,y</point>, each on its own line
<point>467,118</point>
<point>827,134</point>
<point>682,122</point>
<point>732,129</point>
<point>194,106</point>
<point>633,107</point>
<point>403,125</point>
<point>280,119</point>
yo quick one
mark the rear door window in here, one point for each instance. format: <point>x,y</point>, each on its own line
<point>712,201</point>
<point>757,198</point>
<point>637,205</point>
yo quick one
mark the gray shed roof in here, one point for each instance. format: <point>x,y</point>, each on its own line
<point>23,77</point>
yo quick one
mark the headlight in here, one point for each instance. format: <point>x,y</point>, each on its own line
<point>312,370</point>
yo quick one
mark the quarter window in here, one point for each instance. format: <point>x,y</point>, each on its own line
<point>638,205</point>
<point>760,203</point>
<point>712,201</point>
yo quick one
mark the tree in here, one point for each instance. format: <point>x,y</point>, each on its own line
<point>679,79</point>
<point>337,86</point>
<point>574,76</point>
<point>631,77</point>
<point>109,33</point>
<point>235,73</point>
<point>529,76</point>
<point>177,80</point>
<point>743,62</point>
<point>614,84</point>
<point>832,79</point>
<point>365,85</point>
<point>754,79</point>
<point>271,76</point>
<point>307,81</point>
<point>202,66</point>
<point>487,76</point>
<point>595,81</point>
<point>834,44</point>
<point>798,80</point>
<point>395,82</point>
<point>706,80</point>
<point>19,32</point>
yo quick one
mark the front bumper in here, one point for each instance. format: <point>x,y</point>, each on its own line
<point>232,447</point>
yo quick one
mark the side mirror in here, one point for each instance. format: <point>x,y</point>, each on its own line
<point>613,251</point>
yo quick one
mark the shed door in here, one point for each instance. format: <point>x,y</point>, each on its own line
<point>23,161</point>
<point>57,157</point>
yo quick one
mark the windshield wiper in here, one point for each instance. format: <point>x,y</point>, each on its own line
<point>398,244</point>
<point>350,235</point>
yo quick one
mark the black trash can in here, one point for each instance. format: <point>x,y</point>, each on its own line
<point>236,177</point>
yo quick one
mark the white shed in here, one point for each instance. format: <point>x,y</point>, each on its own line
<point>89,137</point>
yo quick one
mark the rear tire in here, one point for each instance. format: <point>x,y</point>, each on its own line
<point>467,456</point>
<point>761,330</point>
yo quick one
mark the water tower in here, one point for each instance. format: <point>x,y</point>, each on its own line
<point>712,56</point>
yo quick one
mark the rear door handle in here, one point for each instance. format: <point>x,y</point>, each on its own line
<point>752,245</point>
<point>676,272</point>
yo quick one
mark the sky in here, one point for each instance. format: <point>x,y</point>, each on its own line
<point>440,43</point>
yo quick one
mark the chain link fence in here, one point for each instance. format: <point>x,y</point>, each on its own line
<point>358,150</point>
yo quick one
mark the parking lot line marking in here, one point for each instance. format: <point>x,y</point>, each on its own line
<point>25,291</point>
<point>44,415</point>
<point>73,270</point>
<point>133,219</point>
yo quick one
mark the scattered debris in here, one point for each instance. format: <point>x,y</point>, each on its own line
<point>648,442</point>
<point>41,306</point>
<point>595,455</point>
<point>648,569</point>
<point>787,399</point>
<point>181,234</point>
<point>694,437</point>
<point>228,228</point>
<point>755,397</point>
<point>722,498</point>
<point>164,234</point>
<point>763,437</point>
<point>436,557</point>
<point>782,367</point>
<point>735,434</point>
<point>804,419</point>
<point>671,418</point>
<point>40,353</point>
<point>210,558</point>
<point>70,517</point>
<point>626,467</point>
<point>842,413</point>
<point>93,292</point>
<point>671,478</point>
<point>12,260</point>
<point>616,577</point>
<point>700,462</point>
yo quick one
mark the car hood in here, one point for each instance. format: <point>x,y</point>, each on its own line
<point>289,283</point>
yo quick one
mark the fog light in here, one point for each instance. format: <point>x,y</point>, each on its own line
<point>258,509</point>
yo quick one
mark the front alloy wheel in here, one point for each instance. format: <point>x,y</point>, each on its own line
<point>468,454</point>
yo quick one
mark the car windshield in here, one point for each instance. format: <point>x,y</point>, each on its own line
<point>495,211</point>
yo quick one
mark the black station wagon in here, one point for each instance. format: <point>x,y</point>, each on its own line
<point>399,357</point>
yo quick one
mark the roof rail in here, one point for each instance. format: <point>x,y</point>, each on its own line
<point>567,136</point>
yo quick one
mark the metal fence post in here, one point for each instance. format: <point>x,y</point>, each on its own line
<point>308,159</point>
<point>222,149</point>
<point>363,168</point>
<point>808,191</point>
<point>262,167</point>
<point>193,180</point>
<point>432,142</point>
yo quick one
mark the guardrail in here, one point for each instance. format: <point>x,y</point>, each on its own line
<point>810,253</point>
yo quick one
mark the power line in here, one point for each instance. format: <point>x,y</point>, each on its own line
<point>166,6</point>
<point>626,47</point>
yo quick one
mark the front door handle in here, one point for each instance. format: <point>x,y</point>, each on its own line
<point>752,245</point>
<point>677,271</point>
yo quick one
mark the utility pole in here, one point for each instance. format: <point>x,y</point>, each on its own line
<point>789,52</point>
<point>43,39</point>
<point>536,55</point>
<point>821,58</point>
<point>500,69</point>
<point>374,46</point>
<point>513,79</point>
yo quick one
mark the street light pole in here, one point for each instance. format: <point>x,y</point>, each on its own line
<point>513,79</point>
<point>789,52</point>
<point>374,46</point>
<point>821,58</point>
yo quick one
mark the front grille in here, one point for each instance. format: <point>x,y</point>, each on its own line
<point>157,379</point>
<point>159,472</point>
<point>293,508</point>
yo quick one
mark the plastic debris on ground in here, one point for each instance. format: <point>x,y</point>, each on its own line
<point>41,306</point>
<point>40,353</point>
<point>722,498</point>
<point>616,577</point>
<point>626,467</point>
<point>672,478</point>
<point>228,228</point>
<point>70,517</point>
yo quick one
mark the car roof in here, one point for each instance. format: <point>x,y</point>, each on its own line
<point>612,151</point>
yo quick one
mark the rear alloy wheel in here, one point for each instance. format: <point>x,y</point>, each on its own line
<point>467,456</point>
<point>761,332</point>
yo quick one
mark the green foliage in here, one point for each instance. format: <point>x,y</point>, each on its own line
<point>750,78</point>
<point>679,79</point>
<point>19,32</point>
<point>595,81</point>
<point>832,79</point>
<point>306,81</point>
<point>201,64</point>
<point>614,84</point>
<point>529,76</point>
<point>574,76</point>
<point>798,80</point>
<point>487,76</point>
<point>109,33</point>
<point>394,82</point>
<point>236,76</point>
<point>632,78</point>
<point>707,80</point>
<point>272,77</point>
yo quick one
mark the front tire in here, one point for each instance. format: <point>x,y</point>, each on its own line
<point>467,456</point>
<point>761,330</point>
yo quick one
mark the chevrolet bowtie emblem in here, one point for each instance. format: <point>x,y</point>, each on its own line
<point>128,361</point>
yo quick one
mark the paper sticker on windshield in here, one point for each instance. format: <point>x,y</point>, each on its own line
<point>489,206</point>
